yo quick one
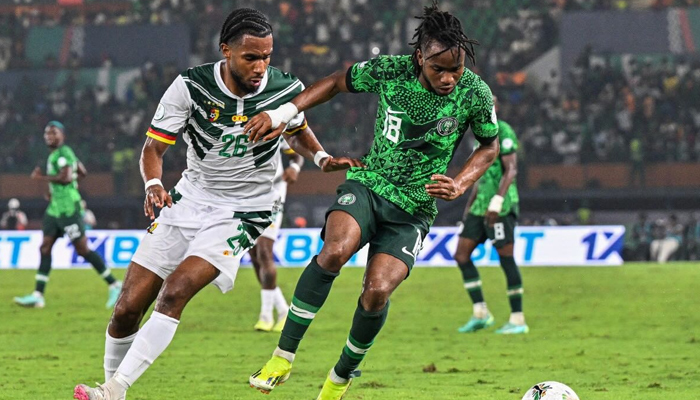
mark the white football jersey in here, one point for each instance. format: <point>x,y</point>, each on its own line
<point>223,168</point>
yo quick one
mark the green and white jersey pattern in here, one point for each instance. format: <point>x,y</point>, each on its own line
<point>223,168</point>
<point>491,180</point>
<point>416,131</point>
<point>65,199</point>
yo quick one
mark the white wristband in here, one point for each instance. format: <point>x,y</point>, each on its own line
<point>282,114</point>
<point>320,155</point>
<point>496,204</point>
<point>295,166</point>
<point>153,182</point>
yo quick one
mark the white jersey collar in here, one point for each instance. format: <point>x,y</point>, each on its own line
<point>222,85</point>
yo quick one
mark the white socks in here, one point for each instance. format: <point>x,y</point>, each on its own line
<point>153,338</point>
<point>267,301</point>
<point>289,356</point>
<point>272,298</point>
<point>480,310</point>
<point>517,318</point>
<point>115,350</point>
<point>280,303</point>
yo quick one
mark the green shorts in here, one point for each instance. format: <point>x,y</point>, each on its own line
<point>501,234</point>
<point>386,227</point>
<point>72,226</point>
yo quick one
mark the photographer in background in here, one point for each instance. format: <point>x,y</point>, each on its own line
<point>13,219</point>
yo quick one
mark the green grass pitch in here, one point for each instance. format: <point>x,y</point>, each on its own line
<point>609,333</point>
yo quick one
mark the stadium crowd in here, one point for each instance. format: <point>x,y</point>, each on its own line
<point>609,112</point>
<point>664,239</point>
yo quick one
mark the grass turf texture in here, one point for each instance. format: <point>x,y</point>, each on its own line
<point>609,333</point>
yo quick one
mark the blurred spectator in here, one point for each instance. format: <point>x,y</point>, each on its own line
<point>668,237</point>
<point>618,108</point>
<point>13,219</point>
<point>300,222</point>
<point>638,239</point>
<point>637,163</point>
<point>693,237</point>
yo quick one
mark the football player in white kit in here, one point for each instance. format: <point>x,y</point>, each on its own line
<point>262,256</point>
<point>220,206</point>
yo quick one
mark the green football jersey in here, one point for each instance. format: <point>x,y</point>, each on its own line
<point>416,131</point>
<point>65,199</point>
<point>489,182</point>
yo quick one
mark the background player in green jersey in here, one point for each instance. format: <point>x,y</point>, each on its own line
<point>492,211</point>
<point>63,216</point>
<point>426,104</point>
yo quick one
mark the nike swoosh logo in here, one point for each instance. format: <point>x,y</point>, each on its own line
<point>405,250</point>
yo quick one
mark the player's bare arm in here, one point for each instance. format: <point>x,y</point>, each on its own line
<point>82,171</point>
<point>447,188</point>
<point>64,176</point>
<point>270,124</point>
<point>305,144</point>
<point>510,171</point>
<point>291,173</point>
<point>151,164</point>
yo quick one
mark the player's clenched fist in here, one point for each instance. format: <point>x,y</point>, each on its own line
<point>443,187</point>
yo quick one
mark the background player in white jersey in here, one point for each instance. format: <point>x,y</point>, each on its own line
<point>263,259</point>
<point>220,206</point>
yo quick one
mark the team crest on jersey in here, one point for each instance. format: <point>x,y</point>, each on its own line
<point>447,126</point>
<point>347,199</point>
<point>160,112</point>
<point>239,118</point>
<point>152,227</point>
<point>214,114</point>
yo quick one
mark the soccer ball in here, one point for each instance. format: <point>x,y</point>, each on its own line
<point>550,390</point>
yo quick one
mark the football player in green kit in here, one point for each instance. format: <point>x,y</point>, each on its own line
<point>64,216</point>
<point>492,211</point>
<point>426,103</point>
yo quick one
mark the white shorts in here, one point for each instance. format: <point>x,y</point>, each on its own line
<point>192,229</point>
<point>272,231</point>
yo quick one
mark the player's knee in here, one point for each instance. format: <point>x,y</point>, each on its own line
<point>506,250</point>
<point>173,298</point>
<point>264,260</point>
<point>374,297</point>
<point>462,257</point>
<point>82,251</point>
<point>45,249</point>
<point>332,258</point>
<point>125,318</point>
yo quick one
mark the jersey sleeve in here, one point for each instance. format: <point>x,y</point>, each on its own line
<point>172,113</point>
<point>367,76</point>
<point>298,123</point>
<point>484,123</point>
<point>507,138</point>
<point>66,158</point>
<point>285,149</point>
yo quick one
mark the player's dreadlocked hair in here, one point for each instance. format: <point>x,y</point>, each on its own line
<point>442,27</point>
<point>244,21</point>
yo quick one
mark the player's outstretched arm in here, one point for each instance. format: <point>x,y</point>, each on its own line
<point>269,124</point>
<point>151,164</point>
<point>447,188</point>
<point>305,144</point>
